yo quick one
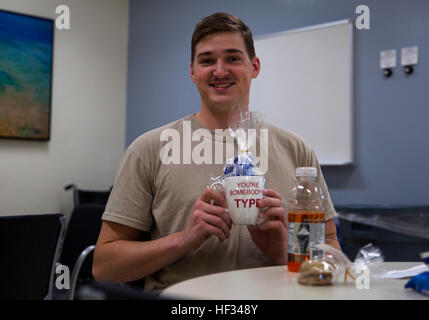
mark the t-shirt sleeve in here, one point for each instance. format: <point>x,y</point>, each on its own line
<point>309,159</point>
<point>131,198</point>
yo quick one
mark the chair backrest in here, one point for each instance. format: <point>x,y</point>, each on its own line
<point>81,196</point>
<point>29,249</point>
<point>82,231</point>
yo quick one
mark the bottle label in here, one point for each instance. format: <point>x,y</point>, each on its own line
<point>305,230</point>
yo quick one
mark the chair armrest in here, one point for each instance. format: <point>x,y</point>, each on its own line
<point>76,270</point>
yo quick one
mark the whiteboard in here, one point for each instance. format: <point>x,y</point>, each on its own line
<point>305,86</point>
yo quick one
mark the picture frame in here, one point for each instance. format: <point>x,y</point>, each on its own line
<point>26,68</point>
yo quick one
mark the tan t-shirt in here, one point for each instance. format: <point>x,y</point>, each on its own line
<point>164,172</point>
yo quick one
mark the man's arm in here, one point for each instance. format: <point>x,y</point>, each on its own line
<point>119,257</point>
<point>331,234</point>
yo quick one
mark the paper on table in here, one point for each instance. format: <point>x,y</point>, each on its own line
<point>411,272</point>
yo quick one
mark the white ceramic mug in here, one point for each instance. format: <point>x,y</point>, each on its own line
<point>243,194</point>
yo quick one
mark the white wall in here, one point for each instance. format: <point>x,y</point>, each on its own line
<point>88,110</point>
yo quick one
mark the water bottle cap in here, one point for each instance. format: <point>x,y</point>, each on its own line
<point>306,172</point>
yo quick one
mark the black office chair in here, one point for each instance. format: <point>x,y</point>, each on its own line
<point>78,248</point>
<point>29,249</point>
<point>81,196</point>
<point>82,232</point>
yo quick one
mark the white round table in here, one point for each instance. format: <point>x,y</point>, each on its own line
<point>276,283</point>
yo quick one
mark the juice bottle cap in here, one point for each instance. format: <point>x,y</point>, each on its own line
<point>306,172</point>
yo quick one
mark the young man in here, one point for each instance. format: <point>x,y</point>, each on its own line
<point>192,233</point>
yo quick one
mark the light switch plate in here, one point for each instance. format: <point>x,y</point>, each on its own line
<point>409,56</point>
<point>388,59</point>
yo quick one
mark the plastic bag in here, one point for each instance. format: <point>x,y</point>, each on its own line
<point>333,266</point>
<point>242,181</point>
<point>241,122</point>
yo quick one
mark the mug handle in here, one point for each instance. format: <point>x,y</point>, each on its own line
<point>217,185</point>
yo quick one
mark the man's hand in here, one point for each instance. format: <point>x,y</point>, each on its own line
<point>208,218</point>
<point>271,235</point>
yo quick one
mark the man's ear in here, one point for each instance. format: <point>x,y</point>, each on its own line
<point>192,72</point>
<point>256,67</point>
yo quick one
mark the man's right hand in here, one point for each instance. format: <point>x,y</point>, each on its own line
<point>208,218</point>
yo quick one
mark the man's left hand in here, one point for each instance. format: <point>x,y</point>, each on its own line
<point>270,236</point>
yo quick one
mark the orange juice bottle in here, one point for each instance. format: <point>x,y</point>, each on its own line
<point>306,218</point>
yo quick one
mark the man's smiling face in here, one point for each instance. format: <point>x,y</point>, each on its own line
<point>222,71</point>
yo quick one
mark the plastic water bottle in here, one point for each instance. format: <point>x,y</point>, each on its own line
<point>306,218</point>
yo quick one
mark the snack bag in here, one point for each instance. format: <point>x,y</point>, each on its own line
<point>334,266</point>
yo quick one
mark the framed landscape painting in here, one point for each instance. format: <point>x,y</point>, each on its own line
<point>26,53</point>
